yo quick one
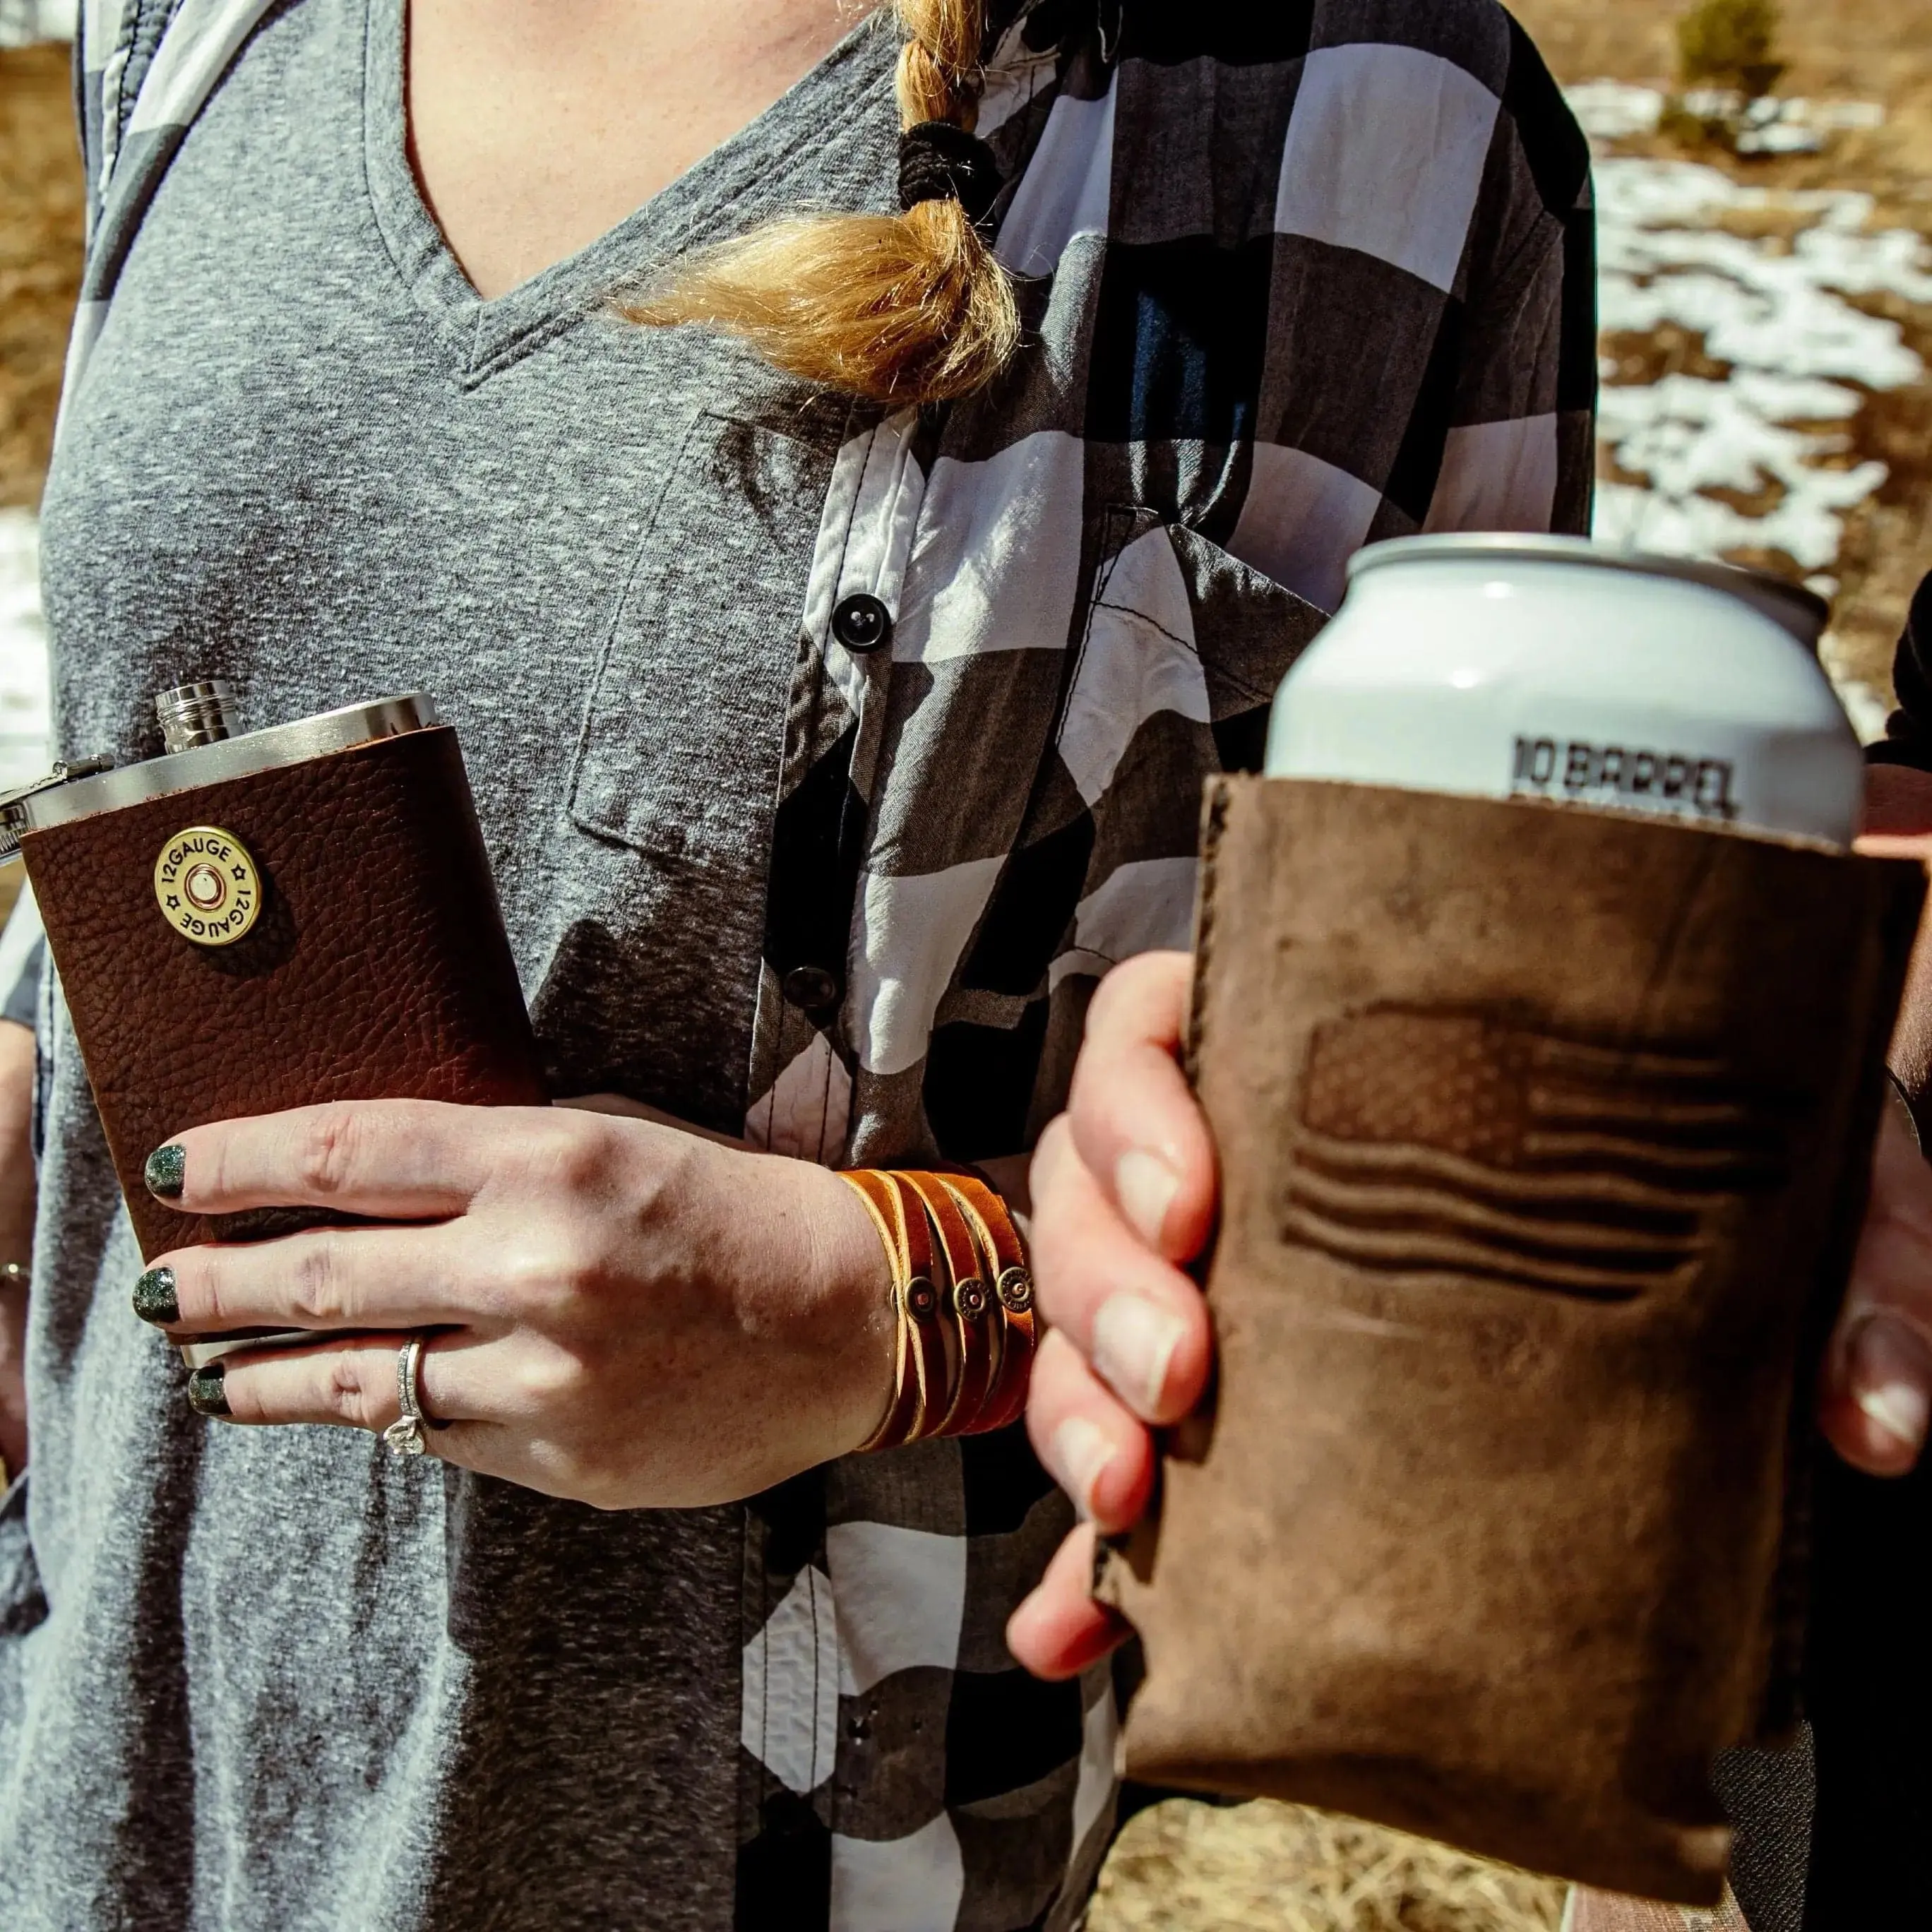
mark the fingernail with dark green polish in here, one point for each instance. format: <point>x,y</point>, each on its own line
<point>166,1168</point>
<point>155,1296</point>
<point>206,1394</point>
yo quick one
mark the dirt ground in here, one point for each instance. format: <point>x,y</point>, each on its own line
<point>1184,1868</point>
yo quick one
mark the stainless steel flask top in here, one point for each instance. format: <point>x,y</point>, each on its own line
<point>203,747</point>
<point>197,714</point>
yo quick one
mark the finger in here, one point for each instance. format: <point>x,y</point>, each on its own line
<point>1059,1630</point>
<point>343,1278</point>
<point>1135,1121</point>
<point>487,1405</point>
<point>1141,1322</point>
<point>351,1383</point>
<point>397,1160</point>
<point>1898,810</point>
<point>1877,1400</point>
<point>1094,1447</point>
<point>1898,805</point>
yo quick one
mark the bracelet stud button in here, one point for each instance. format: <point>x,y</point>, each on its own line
<point>1015,1289</point>
<point>969,1296</point>
<point>922,1297</point>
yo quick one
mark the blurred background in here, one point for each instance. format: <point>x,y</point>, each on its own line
<point>40,216</point>
<point>1764,180</point>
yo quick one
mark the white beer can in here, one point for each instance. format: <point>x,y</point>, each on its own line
<point>1550,667</point>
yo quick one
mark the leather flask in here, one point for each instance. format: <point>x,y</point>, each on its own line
<point>1545,1137</point>
<point>264,920</point>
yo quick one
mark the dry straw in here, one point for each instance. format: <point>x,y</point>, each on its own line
<point>1188,1868</point>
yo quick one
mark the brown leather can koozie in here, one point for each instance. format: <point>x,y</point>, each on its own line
<point>377,968</point>
<point>1545,1136</point>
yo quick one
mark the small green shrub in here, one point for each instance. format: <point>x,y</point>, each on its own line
<point>1687,130</point>
<point>1730,43</point>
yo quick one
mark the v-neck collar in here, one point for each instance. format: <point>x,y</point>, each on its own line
<point>484,336</point>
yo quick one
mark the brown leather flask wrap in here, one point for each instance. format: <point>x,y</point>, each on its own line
<point>377,968</point>
<point>1545,1136</point>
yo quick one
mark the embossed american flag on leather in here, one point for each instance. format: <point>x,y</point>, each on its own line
<point>1477,1144</point>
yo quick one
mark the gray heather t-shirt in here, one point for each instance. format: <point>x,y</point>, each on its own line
<point>293,1683</point>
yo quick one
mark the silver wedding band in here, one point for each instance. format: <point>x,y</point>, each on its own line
<point>404,1436</point>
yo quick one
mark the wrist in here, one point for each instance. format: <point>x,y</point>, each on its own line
<point>847,1326</point>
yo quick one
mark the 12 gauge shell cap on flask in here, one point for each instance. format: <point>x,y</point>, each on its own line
<point>1554,668</point>
<point>207,886</point>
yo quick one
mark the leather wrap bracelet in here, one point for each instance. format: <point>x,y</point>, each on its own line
<point>973,1353</point>
<point>1013,1295</point>
<point>962,1301</point>
<point>918,1352</point>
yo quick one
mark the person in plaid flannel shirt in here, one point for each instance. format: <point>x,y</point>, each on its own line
<point>1055,455</point>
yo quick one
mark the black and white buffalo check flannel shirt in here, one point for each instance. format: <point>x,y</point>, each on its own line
<point>1297,276</point>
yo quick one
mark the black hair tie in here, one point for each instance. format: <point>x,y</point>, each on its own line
<point>939,162</point>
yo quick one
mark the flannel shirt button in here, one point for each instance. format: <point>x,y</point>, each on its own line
<point>861,622</point>
<point>810,987</point>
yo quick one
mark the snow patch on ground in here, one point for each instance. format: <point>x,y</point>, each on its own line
<point>1761,460</point>
<point>1867,708</point>
<point>23,653</point>
<point>1689,436</point>
<point>1611,110</point>
<point>25,21</point>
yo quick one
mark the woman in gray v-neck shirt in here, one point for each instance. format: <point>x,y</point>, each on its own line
<point>363,479</point>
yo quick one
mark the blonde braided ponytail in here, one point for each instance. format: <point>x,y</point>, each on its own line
<point>905,308</point>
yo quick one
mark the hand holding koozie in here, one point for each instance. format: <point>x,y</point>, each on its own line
<point>1544,1135</point>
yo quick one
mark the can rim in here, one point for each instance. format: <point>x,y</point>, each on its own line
<point>1798,610</point>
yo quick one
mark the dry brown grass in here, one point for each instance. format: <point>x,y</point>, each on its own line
<point>1854,50</point>
<point>40,216</point>
<point>1188,1867</point>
